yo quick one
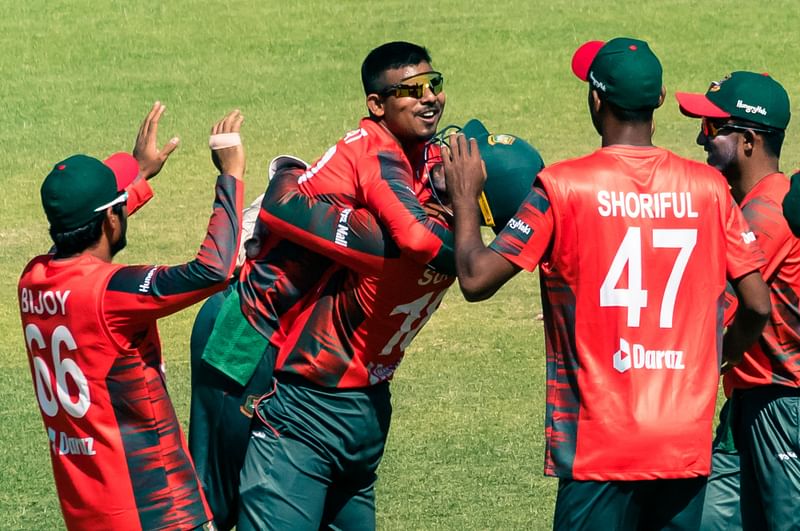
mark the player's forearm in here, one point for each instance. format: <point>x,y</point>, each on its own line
<point>751,316</point>
<point>351,237</point>
<point>216,259</point>
<point>472,257</point>
<point>151,292</point>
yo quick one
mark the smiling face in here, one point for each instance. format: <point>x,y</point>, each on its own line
<point>411,120</point>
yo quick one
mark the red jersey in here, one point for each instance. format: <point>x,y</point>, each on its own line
<point>638,245</point>
<point>119,457</point>
<point>368,168</point>
<point>352,329</point>
<point>355,328</point>
<point>276,283</point>
<point>775,358</point>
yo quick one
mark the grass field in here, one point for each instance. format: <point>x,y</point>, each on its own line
<point>465,450</point>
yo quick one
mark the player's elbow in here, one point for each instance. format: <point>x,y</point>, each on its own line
<point>754,297</point>
<point>474,290</point>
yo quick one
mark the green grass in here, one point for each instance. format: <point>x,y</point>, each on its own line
<point>465,450</point>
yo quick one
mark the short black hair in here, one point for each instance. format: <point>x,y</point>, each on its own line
<point>387,56</point>
<point>773,142</point>
<point>76,241</point>
<point>773,138</point>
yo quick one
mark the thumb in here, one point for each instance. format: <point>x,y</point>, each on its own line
<point>170,146</point>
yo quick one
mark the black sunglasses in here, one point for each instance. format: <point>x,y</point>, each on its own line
<point>711,128</point>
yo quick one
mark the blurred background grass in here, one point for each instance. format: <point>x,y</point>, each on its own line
<point>466,446</point>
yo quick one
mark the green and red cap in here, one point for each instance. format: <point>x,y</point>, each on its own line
<point>624,70</point>
<point>747,96</point>
<point>78,188</point>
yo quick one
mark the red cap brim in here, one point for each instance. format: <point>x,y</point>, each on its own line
<point>125,168</point>
<point>583,57</point>
<point>698,106</point>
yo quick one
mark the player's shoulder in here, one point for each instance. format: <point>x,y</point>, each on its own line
<point>772,188</point>
<point>575,166</point>
<point>694,165</point>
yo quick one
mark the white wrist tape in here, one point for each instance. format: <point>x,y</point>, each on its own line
<point>224,140</point>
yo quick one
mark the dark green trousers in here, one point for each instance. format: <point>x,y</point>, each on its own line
<point>629,505</point>
<point>312,459</point>
<point>220,417</point>
<point>768,438</point>
<point>721,509</point>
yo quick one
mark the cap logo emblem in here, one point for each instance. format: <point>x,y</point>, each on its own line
<point>596,82</point>
<point>500,139</point>
<point>751,109</point>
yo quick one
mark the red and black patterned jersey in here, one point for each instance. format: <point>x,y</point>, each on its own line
<point>355,328</point>
<point>273,285</point>
<point>635,246</point>
<point>302,240</point>
<point>119,457</point>
<point>775,357</point>
<point>352,327</point>
<point>368,168</point>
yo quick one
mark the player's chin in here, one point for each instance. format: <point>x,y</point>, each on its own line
<point>425,131</point>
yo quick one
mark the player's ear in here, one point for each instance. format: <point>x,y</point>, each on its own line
<point>375,105</point>
<point>662,96</point>
<point>594,101</point>
<point>112,220</point>
<point>748,142</point>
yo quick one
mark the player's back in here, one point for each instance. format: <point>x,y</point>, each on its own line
<point>117,450</point>
<point>633,313</point>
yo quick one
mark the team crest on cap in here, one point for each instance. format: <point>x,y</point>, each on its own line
<point>716,85</point>
<point>501,139</point>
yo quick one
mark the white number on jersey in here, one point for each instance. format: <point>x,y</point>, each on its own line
<point>634,298</point>
<point>48,399</point>
<point>413,311</point>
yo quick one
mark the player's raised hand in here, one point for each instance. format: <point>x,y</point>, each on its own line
<point>227,151</point>
<point>150,158</point>
<point>464,169</point>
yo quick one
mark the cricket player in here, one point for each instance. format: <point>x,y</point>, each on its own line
<point>119,457</point>
<point>634,245</point>
<point>320,434</point>
<point>744,118</point>
<point>232,361</point>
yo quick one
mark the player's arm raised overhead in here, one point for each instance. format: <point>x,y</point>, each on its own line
<point>137,293</point>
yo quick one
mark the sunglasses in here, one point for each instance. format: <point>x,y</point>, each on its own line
<point>712,128</point>
<point>414,86</point>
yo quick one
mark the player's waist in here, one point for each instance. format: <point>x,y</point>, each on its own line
<point>291,378</point>
<point>769,391</point>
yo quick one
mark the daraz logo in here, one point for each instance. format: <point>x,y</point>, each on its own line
<point>635,356</point>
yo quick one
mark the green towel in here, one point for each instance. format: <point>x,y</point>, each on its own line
<point>234,347</point>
